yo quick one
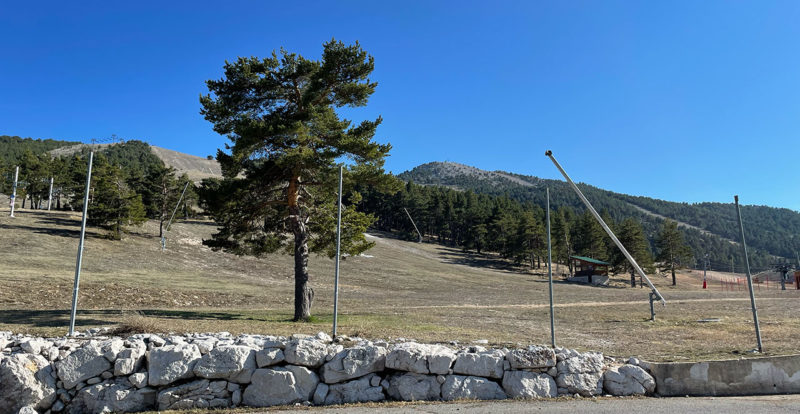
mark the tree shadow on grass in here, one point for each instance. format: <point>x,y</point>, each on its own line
<point>48,226</point>
<point>55,318</point>
<point>456,256</point>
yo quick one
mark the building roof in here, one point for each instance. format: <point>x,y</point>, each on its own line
<point>590,260</point>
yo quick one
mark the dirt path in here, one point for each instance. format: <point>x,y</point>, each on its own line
<point>584,304</point>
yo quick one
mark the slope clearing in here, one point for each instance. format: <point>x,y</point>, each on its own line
<point>399,289</point>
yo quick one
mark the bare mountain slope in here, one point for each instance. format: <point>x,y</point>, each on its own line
<point>195,167</point>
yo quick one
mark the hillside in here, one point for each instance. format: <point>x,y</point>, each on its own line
<point>404,289</point>
<point>708,227</point>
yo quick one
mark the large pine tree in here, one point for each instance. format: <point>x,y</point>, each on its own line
<point>280,114</point>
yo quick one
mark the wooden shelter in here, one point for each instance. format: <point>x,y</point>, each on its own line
<point>586,266</point>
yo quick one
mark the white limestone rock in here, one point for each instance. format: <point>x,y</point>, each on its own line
<point>360,390</point>
<point>581,374</point>
<point>129,360</point>
<point>139,380</point>
<point>353,363</point>
<point>524,384</point>
<point>169,363</point>
<point>414,387</point>
<point>306,352</point>
<point>269,356</point>
<point>628,380</point>
<point>460,387</point>
<point>532,357</point>
<point>34,345</point>
<point>232,362</point>
<point>25,379</point>
<point>200,394</point>
<point>280,386</point>
<point>420,358</point>
<point>112,396</point>
<point>480,364</point>
<point>85,362</point>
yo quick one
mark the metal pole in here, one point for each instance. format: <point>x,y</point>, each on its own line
<point>550,273</point>
<point>749,278</point>
<point>50,196</point>
<point>164,237</point>
<point>14,190</point>
<point>616,241</point>
<point>176,205</point>
<point>705,266</point>
<point>414,224</point>
<point>80,248</point>
<point>338,250</point>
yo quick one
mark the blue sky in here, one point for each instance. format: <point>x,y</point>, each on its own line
<point>684,101</point>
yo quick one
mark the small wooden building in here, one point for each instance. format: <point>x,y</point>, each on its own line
<point>586,266</point>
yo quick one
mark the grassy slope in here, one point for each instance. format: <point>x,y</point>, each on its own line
<point>420,291</point>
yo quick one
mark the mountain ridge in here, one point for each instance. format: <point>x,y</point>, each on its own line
<point>772,229</point>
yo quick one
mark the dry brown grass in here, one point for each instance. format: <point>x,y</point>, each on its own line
<point>421,291</point>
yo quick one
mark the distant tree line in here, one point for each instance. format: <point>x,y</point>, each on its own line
<point>771,233</point>
<point>129,183</point>
<point>516,230</point>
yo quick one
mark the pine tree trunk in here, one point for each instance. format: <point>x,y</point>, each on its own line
<point>303,293</point>
<point>161,227</point>
<point>673,276</point>
<point>633,278</point>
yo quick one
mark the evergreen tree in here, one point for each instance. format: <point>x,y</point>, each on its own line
<point>631,235</point>
<point>590,238</point>
<point>673,253</point>
<point>113,203</point>
<point>280,114</point>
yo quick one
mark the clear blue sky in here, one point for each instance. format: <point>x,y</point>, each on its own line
<point>680,100</point>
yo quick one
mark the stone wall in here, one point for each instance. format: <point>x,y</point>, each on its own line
<point>95,374</point>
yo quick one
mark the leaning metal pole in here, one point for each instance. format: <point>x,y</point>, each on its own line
<point>550,273</point>
<point>749,278</point>
<point>163,235</point>
<point>616,241</point>
<point>80,249</point>
<point>338,251</point>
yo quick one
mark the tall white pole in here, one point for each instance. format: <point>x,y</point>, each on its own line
<point>550,273</point>
<point>50,196</point>
<point>14,191</point>
<point>80,248</point>
<point>338,251</point>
